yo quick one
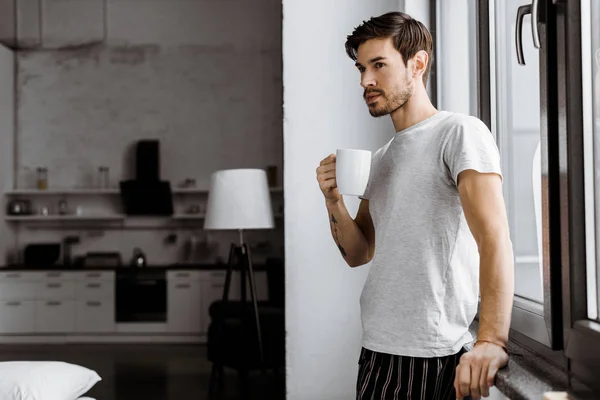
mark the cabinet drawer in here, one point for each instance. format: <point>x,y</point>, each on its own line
<point>17,316</point>
<point>104,276</point>
<point>85,290</point>
<point>95,316</point>
<point>55,290</point>
<point>56,275</point>
<point>54,316</point>
<point>17,290</point>
<point>183,275</point>
<point>17,276</point>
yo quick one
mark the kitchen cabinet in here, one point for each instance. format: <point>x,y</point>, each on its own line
<point>56,302</point>
<point>17,316</point>
<point>83,302</point>
<point>95,301</point>
<point>190,294</point>
<point>184,301</point>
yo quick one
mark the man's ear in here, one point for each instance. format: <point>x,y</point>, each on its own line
<point>420,61</point>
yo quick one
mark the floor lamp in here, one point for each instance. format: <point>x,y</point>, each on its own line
<point>239,200</point>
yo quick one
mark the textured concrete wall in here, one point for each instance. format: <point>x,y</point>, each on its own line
<point>204,77</point>
<point>94,76</point>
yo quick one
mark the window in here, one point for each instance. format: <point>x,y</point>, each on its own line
<point>591,66</point>
<point>537,64</point>
<point>515,101</point>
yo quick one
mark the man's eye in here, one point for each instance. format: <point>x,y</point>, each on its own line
<point>379,65</point>
<point>361,70</point>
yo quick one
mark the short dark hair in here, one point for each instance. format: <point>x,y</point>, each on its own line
<point>409,35</point>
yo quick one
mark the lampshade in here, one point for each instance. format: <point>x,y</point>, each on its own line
<point>239,199</point>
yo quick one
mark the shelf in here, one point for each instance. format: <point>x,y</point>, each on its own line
<point>62,192</point>
<point>41,218</point>
<point>109,191</point>
<point>188,216</point>
<point>108,218</point>
<point>277,189</point>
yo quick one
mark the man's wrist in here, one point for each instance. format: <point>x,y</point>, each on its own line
<point>332,203</point>
<point>494,342</point>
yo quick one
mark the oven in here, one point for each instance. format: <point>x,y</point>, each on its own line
<point>141,295</point>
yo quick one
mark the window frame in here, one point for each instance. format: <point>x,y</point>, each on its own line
<point>581,335</point>
<point>528,324</point>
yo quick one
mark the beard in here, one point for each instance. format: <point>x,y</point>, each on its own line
<point>386,105</point>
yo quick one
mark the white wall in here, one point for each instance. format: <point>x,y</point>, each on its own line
<point>323,110</point>
<point>7,126</point>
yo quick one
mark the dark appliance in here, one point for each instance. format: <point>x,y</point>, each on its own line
<point>147,194</point>
<point>41,254</point>
<point>147,160</point>
<point>101,259</point>
<point>142,198</point>
<point>141,295</point>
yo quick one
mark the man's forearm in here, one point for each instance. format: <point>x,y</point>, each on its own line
<point>497,289</point>
<point>347,235</point>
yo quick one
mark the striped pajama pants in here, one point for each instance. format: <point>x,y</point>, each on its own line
<point>386,376</point>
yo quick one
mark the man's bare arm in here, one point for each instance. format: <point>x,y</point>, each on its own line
<point>485,212</point>
<point>354,237</point>
<point>483,204</point>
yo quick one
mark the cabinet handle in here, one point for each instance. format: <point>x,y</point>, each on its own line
<point>182,274</point>
<point>218,285</point>
<point>94,275</point>
<point>13,275</point>
<point>53,274</point>
<point>182,286</point>
<point>94,303</point>
<point>13,303</point>
<point>218,274</point>
<point>53,303</point>
<point>54,285</point>
<point>93,285</point>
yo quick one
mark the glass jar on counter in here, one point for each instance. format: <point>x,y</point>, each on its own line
<point>103,177</point>
<point>42,178</point>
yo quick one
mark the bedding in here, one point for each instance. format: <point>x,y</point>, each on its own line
<point>45,380</point>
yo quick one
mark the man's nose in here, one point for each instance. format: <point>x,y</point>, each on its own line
<point>367,81</point>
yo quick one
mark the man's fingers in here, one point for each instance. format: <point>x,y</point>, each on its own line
<point>464,379</point>
<point>475,379</point>
<point>325,168</point>
<point>325,185</point>
<point>328,175</point>
<point>456,385</point>
<point>329,159</point>
<point>483,379</point>
<point>491,375</point>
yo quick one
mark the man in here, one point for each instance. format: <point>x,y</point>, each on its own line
<point>433,223</point>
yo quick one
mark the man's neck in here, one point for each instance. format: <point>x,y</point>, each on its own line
<point>418,108</point>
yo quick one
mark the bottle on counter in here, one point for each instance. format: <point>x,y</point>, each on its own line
<point>138,259</point>
<point>42,178</point>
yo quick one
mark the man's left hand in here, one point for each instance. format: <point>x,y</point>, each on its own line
<point>477,369</point>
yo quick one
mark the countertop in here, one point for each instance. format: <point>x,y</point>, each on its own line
<point>191,267</point>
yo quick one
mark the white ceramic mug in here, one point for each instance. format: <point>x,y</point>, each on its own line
<point>353,168</point>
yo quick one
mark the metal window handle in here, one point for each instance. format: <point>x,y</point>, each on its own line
<point>534,24</point>
<point>521,13</point>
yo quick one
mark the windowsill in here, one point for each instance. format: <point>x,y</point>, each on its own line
<point>527,376</point>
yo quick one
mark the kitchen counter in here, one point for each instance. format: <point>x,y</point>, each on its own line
<point>191,267</point>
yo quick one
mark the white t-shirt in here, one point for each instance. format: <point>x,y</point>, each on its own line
<point>422,290</point>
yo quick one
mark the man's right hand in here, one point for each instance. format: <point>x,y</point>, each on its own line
<point>326,179</point>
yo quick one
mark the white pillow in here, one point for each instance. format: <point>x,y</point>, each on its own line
<point>44,380</point>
